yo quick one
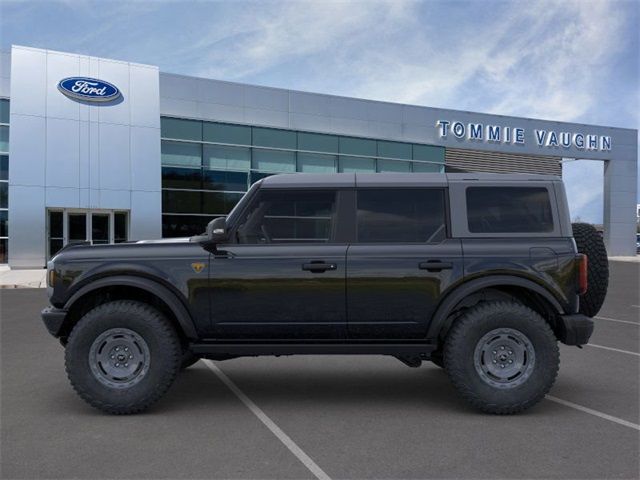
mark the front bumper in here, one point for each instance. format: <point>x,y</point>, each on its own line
<point>53,319</point>
<point>575,329</point>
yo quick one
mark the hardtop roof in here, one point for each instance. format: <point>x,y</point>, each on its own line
<point>345,180</point>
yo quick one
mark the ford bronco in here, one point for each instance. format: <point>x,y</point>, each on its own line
<point>481,274</point>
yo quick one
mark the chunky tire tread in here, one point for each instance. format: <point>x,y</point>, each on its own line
<point>167,346</point>
<point>462,338</point>
<point>591,244</point>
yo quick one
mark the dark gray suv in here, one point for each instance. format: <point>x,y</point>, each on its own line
<point>479,274</point>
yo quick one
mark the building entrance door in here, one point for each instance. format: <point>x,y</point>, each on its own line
<point>65,226</point>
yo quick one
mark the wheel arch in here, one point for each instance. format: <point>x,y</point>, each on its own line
<point>130,287</point>
<point>490,288</point>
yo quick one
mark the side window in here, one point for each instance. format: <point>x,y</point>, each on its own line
<point>509,210</point>
<point>289,216</point>
<point>393,215</point>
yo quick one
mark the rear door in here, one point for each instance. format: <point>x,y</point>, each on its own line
<point>401,262</point>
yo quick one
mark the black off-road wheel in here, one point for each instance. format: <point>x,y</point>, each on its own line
<point>589,242</point>
<point>502,357</point>
<point>122,356</point>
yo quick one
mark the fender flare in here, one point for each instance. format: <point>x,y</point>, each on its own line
<point>439,319</point>
<point>176,306</point>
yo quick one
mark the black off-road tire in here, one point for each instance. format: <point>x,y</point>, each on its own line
<point>589,242</point>
<point>188,359</point>
<point>468,332</point>
<point>162,346</point>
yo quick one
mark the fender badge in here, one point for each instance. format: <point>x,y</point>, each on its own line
<point>197,266</point>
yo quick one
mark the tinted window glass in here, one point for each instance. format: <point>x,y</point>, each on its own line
<point>4,223</point>
<point>181,201</point>
<point>271,137</point>
<point>228,158</point>
<point>231,181</point>
<point>427,167</point>
<point>317,143</point>
<point>509,210</point>
<point>120,227</point>
<point>4,194</point>
<point>4,139</point>
<point>190,178</point>
<point>357,164</point>
<point>428,153</point>
<point>4,167</point>
<point>274,160</point>
<point>358,146</point>
<point>401,215</point>
<point>184,225</point>
<point>289,217</point>
<point>178,153</point>
<point>224,133</point>
<point>4,111</point>
<point>181,129</point>
<point>316,163</point>
<point>394,150</point>
<point>393,166</point>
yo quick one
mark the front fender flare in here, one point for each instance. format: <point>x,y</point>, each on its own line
<point>176,306</point>
<point>439,319</point>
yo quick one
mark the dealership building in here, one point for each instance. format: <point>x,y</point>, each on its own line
<point>102,150</point>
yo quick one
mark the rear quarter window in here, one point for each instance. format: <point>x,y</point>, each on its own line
<point>509,210</point>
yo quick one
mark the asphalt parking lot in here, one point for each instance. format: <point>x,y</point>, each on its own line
<point>323,417</point>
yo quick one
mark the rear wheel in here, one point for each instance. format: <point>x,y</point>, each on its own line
<point>502,357</point>
<point>122,356</point>
<point>589,242</point>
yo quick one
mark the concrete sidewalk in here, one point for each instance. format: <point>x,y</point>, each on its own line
<point>37,278</point>
<point>23,278</point>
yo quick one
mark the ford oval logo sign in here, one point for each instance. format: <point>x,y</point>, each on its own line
<point>89,89</point>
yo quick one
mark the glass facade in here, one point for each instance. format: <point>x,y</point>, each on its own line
<point>4,180</point>
<point>207,166</point>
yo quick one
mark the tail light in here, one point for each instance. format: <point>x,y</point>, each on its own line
<point>583,281</point>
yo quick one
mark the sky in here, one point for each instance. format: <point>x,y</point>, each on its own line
<point>570,60</point>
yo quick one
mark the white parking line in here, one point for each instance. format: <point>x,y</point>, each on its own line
<point>593,412</point>
<point>270,424</point>
<point>613,349</point>
<point>618,321</point>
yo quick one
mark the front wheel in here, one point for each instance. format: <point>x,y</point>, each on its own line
<point>502,357</point>
<point>122,356</point>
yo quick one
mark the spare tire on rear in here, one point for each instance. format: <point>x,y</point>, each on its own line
<point>589,242</point>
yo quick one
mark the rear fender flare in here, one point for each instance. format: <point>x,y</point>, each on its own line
<point>163,293</point>
<point>440,319</point>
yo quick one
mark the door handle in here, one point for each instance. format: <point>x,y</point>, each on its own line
<point>318,267</point>
<point>435,266</point>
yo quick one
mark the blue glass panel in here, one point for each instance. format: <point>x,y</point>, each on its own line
<point>428,153</point>
<point>316,163</point>
<point>227,158</point>
<point>274,160</point>
<point>394,150</point>
<point>271,137</point>
<point>358,146</point>
<point>357,164</point>
<point>317,142</point>
<point>179,153</point>
<point>181,129</point>
<point>226,133</point>
<point>393,166</point>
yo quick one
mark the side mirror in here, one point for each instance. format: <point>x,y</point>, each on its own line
<point>217,230</point>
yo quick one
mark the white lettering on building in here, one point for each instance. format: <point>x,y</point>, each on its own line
<point>516,135</point>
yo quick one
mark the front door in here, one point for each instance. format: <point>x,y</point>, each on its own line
<point>284,277</point>
<point>401,262</point>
